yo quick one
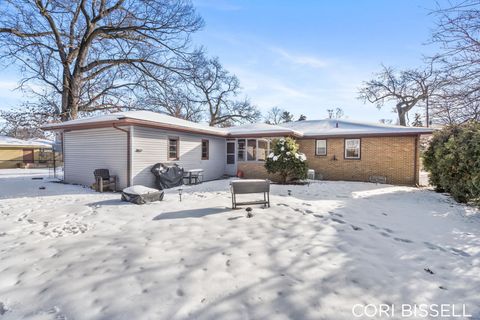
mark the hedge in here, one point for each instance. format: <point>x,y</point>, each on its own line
<point>453,160</point>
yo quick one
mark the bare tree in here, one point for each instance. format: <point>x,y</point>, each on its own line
<point>25,124</point>
<point>217,91</point>
<point>457,33</point>
<point>336,113</point>
<point>274,116</point>
<point>407,89</point>
<point>92,53</point>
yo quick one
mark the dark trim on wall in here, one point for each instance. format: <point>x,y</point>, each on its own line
<point>208,149</point>
<point>415,165</point>
<point>177,143</point>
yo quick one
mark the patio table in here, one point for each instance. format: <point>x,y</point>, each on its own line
<point>193,173</point>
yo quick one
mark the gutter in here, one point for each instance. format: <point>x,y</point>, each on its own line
<point>415,164</point>
<point>129,153</point>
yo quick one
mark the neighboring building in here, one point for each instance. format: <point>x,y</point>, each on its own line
<point>16,153</point>
<point>129,143</point>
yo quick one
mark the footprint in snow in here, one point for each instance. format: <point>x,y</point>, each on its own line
<point>459,252</point>
<point>403,240</point>
<point>388,230</point>
<point>373,226</point>
<point>338,220</point>
<point>307,204</point>
<point>335,214</point>
<point>282,204</point>
<point>228,263</point>
<point>308,211</point>
<point>318,216</point>
<point>432,246</point>
<point>356,228</point>
<point>385,234</point>
<point>180,293</point>
<point>3,308</point>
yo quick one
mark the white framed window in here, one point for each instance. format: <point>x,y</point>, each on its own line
<point>241,149</point>
<point>262,153</point>
<point>320,147</point>
<point>352,148</point>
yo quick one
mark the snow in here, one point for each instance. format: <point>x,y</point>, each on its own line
<point>9,141</point>
<point>70,253</point>
<point>307,128</point>
<point>144,116</point>
<point>261,128</point>
<point>137,189</point>
<point>336,127</point>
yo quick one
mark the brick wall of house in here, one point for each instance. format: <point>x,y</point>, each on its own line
<point>392,157</point>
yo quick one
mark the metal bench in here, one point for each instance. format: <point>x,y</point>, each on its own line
<point>249,186</point>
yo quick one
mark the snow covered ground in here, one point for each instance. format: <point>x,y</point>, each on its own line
<point>67,252</point>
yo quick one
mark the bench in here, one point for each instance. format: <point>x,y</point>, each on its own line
<point>249,186</point>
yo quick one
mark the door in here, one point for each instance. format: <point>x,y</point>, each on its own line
<point>231,166</point>
<point>28,156</point>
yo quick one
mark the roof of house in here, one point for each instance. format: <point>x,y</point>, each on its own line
<point>138,117</point>
<point>340,127</point>
<point>261,129</point>
<point>307,128</point>
<point>6,141</point>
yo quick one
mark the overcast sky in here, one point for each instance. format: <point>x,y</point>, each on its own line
<point>305,56</point>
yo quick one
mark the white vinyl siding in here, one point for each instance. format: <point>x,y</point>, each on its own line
<point>150,146</point>
<point>87,150</point>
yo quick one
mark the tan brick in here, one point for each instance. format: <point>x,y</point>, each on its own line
<point>392,157</point>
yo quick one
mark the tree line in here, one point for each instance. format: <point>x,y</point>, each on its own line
<point>446,89</point>
<point>80,57</point>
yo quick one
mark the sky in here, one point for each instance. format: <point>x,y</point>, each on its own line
<point>310,56</point>
<point>304,56</point>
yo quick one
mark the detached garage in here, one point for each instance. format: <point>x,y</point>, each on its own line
<point>128,144</point>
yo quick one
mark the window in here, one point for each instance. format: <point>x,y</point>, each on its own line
<point>262,149</point>
<point>321,147</point>
<point>172,148</point>
<point>251,149</point>
<point>241,150</point>
<point>205,149</point>
<point>352,148</point>
<point>230,152</point>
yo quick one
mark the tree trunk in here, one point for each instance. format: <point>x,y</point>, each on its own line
<point>402,116</point>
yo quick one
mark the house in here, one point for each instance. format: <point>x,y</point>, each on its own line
<point>17,153</point>
<point>129,143</point>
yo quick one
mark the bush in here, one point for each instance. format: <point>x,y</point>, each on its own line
<point>453,160</point>
<point>286,161</point>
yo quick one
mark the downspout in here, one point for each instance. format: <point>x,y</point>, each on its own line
<point>129,154</point>
<point>415,166</point>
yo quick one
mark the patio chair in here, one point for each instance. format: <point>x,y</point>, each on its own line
<point>249,186</point>
<point>103,180</point>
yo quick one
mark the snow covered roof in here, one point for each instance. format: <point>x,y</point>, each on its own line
<point>133,117</point>
<point>13,142</point>
<point>338,127</point>
<point>261,129</point>
<point>307,128</point>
